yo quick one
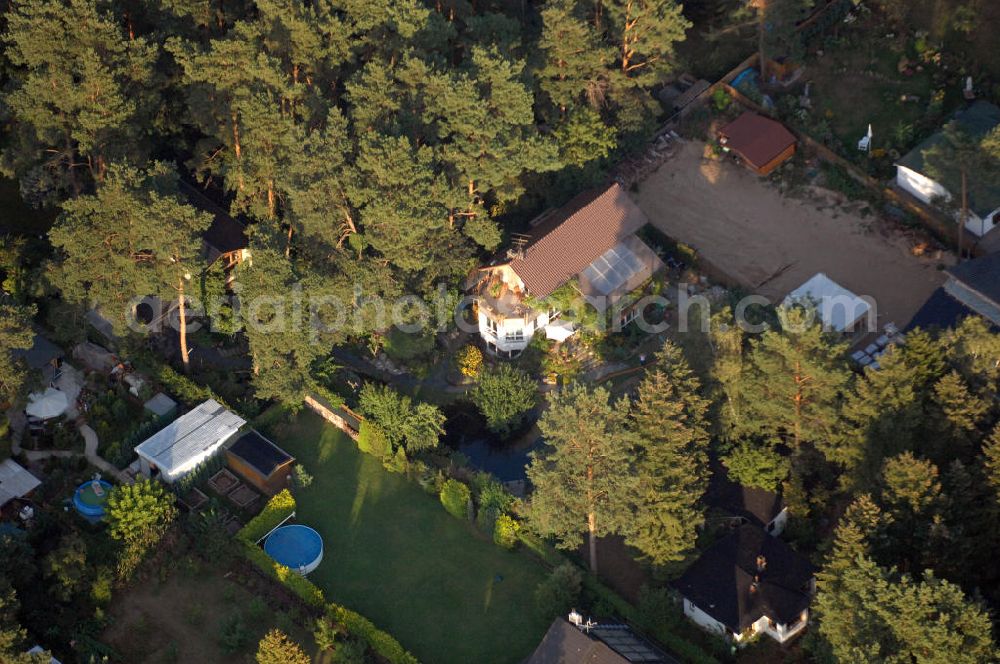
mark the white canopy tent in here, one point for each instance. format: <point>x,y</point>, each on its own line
<point>559,331</point>
<point>838,308</point>
<point>48,404</point>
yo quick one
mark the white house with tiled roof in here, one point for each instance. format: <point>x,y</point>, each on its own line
<point>592,240</point>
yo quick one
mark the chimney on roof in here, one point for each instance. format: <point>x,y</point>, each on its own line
<point>761,563</point>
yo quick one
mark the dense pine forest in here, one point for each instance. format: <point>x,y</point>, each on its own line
<point>381,150</point>
<point>383,144</point>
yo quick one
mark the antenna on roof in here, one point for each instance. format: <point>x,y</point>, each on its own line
<point>576,619</point>
<point>519,242</point>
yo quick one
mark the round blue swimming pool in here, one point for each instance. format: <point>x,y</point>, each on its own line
<point>90,502</point>
<point>297,547</point>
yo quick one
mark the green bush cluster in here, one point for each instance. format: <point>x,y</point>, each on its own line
<point>558,594</point>
<point>506,531</point>
<point>455,497</point>
<point>181,386</point>
<point>493,501</point>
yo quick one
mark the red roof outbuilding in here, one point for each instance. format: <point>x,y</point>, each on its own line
<point>763,143</point>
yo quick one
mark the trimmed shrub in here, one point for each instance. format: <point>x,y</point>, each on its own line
<point>494,501</point>
<point>455,497</point>
<point>279,508</point>
<point>506,531</point>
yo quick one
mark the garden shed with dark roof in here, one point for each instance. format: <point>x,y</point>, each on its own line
<point>260,462</point>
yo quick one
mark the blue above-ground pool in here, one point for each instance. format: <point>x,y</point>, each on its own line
<point>87,501</point>
<point>297,547</point>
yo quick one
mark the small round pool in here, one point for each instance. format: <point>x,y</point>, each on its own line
<point>297,547</point>
<point>88,501</point>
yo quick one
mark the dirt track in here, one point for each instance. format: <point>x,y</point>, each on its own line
<point>770,243</point>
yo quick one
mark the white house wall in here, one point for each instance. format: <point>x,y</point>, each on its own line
<point>778,522</point>
<point>702,619</point>
<point>510,326</point>
<point>926,190</point>
<point>982,226</point>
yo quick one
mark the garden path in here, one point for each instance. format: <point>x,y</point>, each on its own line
<point>90,446</point>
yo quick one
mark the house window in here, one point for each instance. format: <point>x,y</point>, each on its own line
<point>491,325</point>
<point>515,335</point>
<point>770,527</point>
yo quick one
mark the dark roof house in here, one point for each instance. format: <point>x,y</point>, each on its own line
<point>41,354</point>
<point>226,235</point>
<point>565,643</point>
<point>749,581</point>
<point>977,120</point>
<point>762,143</point>
<point>755,506</point>
<point>972,289</point>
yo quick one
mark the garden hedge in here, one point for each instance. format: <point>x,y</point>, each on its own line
<point>381,642</point>
<point>280,507</point>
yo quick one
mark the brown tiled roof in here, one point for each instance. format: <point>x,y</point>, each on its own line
<point>757,139</point>
<point>572,238</point>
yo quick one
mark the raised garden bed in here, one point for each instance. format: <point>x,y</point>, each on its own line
<point>223,482</point>
<point>243,496</point>
<point>194,499</point>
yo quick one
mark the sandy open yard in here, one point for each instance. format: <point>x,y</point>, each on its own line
<point>770,243</point>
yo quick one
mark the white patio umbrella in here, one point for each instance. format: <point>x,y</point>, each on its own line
<point>50,403</point>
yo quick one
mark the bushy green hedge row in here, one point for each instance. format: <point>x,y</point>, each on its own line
<point>277,509</point>
<point>303,588</point>
<point>379,641</point>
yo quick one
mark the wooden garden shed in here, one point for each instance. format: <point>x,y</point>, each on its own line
<point>761,143</point>
<point>260,462</point>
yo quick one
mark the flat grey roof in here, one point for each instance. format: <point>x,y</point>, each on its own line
<point>15,481</point>
<point>160,404</point>
<point>188,436</point>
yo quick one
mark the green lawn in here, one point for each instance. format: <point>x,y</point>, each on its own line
<point>393,554</point>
